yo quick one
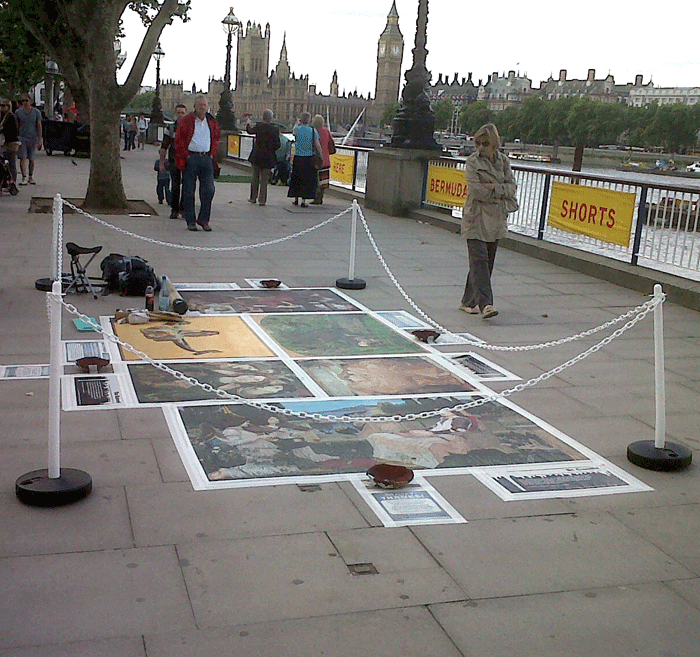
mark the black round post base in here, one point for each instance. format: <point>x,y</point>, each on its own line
<point>351,284</point>
<point>668,458</point>
<point>37,489</point>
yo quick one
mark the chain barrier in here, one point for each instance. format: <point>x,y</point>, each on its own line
<point>188,247</point>
<point>492,347</point>
<point>348,419</point>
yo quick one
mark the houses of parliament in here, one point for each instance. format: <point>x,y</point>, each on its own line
<point>287,94</point>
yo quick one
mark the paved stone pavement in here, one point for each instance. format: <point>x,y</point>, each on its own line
<point>145,566</point>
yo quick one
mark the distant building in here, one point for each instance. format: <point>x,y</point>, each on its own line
<point>641,96</point>
<point>287,94</point>
<point>603,90</point>
<point>505,91</point>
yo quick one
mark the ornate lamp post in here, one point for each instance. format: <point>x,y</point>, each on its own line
<point>225,115</point>
<point>157,117</point>
<point>118,54</point>
<point>415,122</point>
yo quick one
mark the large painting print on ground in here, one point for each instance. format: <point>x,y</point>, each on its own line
<point>248,379</point>
<point>335,335</point>
<point>195,338</point>
<point>406,375</point>
<point>213,302</point>
<point>236,441</point>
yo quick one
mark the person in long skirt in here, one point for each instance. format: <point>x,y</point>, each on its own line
<point>302,183</point>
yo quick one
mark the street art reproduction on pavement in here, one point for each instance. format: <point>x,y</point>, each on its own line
<point>277,353</point>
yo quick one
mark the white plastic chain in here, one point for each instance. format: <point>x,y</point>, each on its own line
<point>365,419</point>
<point>493,347</point>
<point>188,247</point>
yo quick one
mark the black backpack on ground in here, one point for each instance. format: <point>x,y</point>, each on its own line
<point>128,275</point>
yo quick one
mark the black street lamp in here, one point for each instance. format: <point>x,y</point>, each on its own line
<point>157,117</point>
<point>415,122</point>
<point>225,115</point>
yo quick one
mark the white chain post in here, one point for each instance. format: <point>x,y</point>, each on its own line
<point>55,315</point>
<point>56,246</point>
<point>660,430</point>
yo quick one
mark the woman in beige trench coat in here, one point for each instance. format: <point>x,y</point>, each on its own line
<point>490,196</point>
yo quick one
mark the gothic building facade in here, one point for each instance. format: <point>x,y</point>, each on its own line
<point>287,94</point>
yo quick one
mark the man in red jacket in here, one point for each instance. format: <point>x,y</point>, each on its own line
<point>196,142</point>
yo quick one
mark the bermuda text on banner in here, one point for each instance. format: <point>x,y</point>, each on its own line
<point>446,186</point>
<point>603,214</point>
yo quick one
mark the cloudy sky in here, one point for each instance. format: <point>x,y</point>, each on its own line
<point>536,38</point>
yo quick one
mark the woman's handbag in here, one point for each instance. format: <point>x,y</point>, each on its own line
<point>331,146</point>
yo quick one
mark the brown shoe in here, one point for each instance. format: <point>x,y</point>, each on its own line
<point>206,227</point>
<point>174,214</point>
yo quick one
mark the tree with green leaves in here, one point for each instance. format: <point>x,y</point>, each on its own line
<point>142,101</point>
<point>22,61</point>
<point>473,116</point>
<point>389,113</point>
<point>443,110</point>
<point>674,126</point>
<point>79,35</point>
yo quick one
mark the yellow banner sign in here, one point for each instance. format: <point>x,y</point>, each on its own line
<point>234,145</point>
<point>342,168</point>
<point>445,186</point>
<point>600,213</point>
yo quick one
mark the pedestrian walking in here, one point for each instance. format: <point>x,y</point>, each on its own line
<point>303,179</point>
<point>196,143</point>
<point>142,126</point>
<point>162,182</point>
<point>30,139</point>
<point>262,156</point>
<point>323,175</point>
<point>167,156</point>
<point>490,196</point>
<point>9,131</point>
<point>133,129</point>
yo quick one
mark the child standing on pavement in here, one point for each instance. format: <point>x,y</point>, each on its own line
<point>163,182</point>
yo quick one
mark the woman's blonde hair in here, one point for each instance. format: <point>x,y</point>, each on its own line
<point>490,131</point>
<point>318,122</point>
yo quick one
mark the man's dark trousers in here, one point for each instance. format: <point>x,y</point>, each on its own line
<point>199,166</point>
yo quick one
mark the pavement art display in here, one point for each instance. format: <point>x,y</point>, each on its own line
<point>335,335</point>
<point>194,338</point>
<point>249,379</point>
<point>212,302</point>
<point>288,351</point>
<point>236,441</point>
<point>343,377</point>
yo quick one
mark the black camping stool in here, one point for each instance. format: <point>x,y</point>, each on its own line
<point>79,281</point>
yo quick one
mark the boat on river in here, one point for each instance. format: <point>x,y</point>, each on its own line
<point>524,156</point>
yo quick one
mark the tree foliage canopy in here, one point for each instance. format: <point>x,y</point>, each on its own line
<point>22,62</point>
<point>443,110</point>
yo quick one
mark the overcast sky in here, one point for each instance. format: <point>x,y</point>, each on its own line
<point>536,38</point>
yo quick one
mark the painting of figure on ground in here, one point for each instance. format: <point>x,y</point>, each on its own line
<point>364,377</point>
<point>262,379</point>
<point>335,335</point>
<point>236,441</point>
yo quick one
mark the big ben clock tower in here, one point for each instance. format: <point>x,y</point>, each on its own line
<point>389,57</point>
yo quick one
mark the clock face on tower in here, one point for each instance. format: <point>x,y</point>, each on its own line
<point>395,50</point>
<point>382,48</point>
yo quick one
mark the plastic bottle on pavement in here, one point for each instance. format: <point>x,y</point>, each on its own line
<point>164,295</point>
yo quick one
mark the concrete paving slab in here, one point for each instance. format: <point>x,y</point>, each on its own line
<point>128,647</point>
<point>592,623</point>
<point>136,423</point>
<point>411,632</point>
<point>607,436</point>
<point>185,515</point>
<point>539,555</point>
<point>109,463</point>
<point>169,461</point>
<point>669,528</point>
<point>99,522</point>
<point>62,598</point>
<point>285,577</point>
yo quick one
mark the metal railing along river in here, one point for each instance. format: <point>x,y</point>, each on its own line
<point>666,227</point>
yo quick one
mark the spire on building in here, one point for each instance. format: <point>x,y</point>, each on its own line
<point>283,52</point>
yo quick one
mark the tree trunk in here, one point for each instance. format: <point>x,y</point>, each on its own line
<point>105,189</point>
<point>578,158</point>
